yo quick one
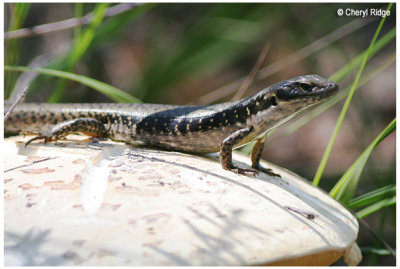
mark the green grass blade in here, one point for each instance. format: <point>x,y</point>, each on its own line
<point>337,76</point>
<point>81,45</point>
<point>378,251</point>
<point>12,48</point>
<point>18,16</point>
<point>346,105</point>
<point>86,39</point>
<point>292,127</point>
<point>346,186</point>
<point>113,93</point>
<point>372,197</point>
<point>78,12</point>
<point>112,27</point>
<point>376,207</point>
<point>107,31</point>
<point>354,63</point>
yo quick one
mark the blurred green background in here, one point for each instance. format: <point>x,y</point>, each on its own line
<point>197,53</point>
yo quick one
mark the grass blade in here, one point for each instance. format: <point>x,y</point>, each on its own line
<point>353,64</point>
<point>12,49</point>
<point>346,105</point>
<point>81,45</point>
<point>346,186</point>
<point>375,207</point>
<point>378,251</point>
<point>292,127</point>
<point>113,93</point>
<point>372,197</point>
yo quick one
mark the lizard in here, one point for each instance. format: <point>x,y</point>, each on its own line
<point>194,129</point>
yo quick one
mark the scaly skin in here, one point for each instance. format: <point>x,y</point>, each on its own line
<point>197,129</point>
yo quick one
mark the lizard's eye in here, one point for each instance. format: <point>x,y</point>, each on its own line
<point>305,87</point>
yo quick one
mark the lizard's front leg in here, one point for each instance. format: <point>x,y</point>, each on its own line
<point>88,126</point>
<point>225,153</point>
<point>256,157</point>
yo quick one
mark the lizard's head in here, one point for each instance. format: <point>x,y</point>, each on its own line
<point>287,99</point>
<point>309,89</point>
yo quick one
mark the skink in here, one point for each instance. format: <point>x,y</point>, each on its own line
<point>196,129</point>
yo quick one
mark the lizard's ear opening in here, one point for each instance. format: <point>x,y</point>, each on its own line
<point>274,101</point>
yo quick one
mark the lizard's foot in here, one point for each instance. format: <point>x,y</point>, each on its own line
<point>47,137</point>
<point>268,171</point>
<point>241,171</point>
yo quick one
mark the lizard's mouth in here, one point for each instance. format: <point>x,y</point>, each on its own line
<point>330,89</point>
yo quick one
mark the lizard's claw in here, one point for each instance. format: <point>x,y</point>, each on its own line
<point>47,138</point>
